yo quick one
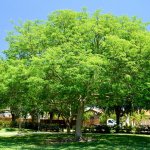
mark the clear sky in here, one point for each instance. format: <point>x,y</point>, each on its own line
<point>39,9</point>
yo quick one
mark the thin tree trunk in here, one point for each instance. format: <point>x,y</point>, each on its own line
<point>20,123</point>
<point>39,121</point>
<point>117,111</point>
<point>51,114</point>
<point>68,126</point>
<point>67,123</point>
<point>34,116</point>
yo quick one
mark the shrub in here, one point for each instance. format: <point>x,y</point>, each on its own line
<point>142,129</point>
<point>5,124</point>
<point>102,129</point>
<point>14,124</point>
<point>86,129</point>
<point>53,127</point>
<point>117,128</point>
<point>128,129</point>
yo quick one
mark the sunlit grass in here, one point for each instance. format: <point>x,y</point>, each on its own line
<point>8,132</point>
<point>38,141</point>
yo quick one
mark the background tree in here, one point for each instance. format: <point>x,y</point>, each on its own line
<point>119,88</point>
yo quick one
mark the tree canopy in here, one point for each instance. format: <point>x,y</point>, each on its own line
<point>76,59</point>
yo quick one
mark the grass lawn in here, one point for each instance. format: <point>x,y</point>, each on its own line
<point>11,140</point>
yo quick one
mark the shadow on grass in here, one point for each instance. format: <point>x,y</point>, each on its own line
<point>37,142</point>
<point>10,129</point>
<point>121,142</point>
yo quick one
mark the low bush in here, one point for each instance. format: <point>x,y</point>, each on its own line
<point>88,129</point>
<point>96,129</point>
<point>142,129</point>
<point>5,124</point>
<point>126,129</point>
<point>102,129</point>
<point>50,127</point>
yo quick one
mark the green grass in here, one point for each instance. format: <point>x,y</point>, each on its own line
<point>37,141</point>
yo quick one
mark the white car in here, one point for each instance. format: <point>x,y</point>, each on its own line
<point>7,114</point>
<point>111,122</point>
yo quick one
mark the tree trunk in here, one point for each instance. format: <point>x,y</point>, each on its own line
<point>68,126</point>
<point>117,111</point>
<point>39,121</point>
<point>20,123</point>
<point>13,117</point>
<point>34,116</point>
<point>51,115</point>
<point>78,132</point>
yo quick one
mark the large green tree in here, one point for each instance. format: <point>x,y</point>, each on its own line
<point>71,58</point>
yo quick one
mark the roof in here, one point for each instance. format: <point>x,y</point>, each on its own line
<point>95,109</point>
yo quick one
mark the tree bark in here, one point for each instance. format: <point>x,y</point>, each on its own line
<point>20,122</point>
<point>51,114</point>
<point>13,117</point>
<point>68,126</point>
<point>39,119</point>
<point>78,132</point>
<point>117,111</point>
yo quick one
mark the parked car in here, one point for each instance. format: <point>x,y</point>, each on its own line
<point>111,122</point>
<point>7,114</point>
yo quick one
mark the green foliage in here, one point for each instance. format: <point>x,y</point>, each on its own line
<point>5,124</point>
<point>103,118</point>
<point>87,115</point>
<point>73,58</point>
